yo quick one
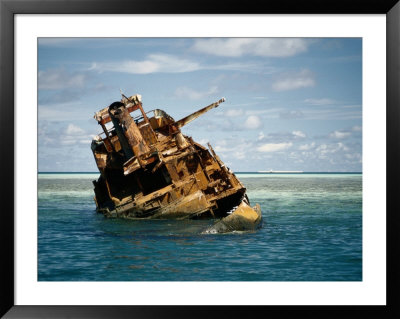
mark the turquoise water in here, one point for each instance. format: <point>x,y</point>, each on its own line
<point>312,231</point>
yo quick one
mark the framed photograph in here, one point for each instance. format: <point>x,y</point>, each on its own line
<point>272,200</point>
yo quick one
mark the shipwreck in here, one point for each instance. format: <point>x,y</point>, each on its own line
<point>150,170</point>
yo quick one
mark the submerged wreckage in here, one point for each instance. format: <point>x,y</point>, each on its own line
<point>150,170</point>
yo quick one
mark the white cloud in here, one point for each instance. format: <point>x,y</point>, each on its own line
<point>240,154</point>
<point>186,92</point>
<point>247,66</point>
<point>271,147</point>
<point>341,146</point>
<point>234,112</point>
<point>265,47</point>
<point>233,148</point>
<point>253,122</point>
<point>323,101</point>
<point>160,63</point>
<point>69,136</point>
<point>163,63</point>
<point>307,147</point>
<point>55,79</point>
<point>280,137</point>
<point>219,148</point>
<point>325,149</point>
<point>299,134</point>
<point>72,129</point>
<point>357,128</point>
<point>339,134</point>
<point>354,157</point>
<point>293,81</point>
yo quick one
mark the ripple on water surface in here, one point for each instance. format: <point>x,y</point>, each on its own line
<point>311,232</point>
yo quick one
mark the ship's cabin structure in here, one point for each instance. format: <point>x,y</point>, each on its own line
<point>149,169</point>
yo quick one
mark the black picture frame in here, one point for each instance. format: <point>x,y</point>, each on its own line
<point>9,8</point>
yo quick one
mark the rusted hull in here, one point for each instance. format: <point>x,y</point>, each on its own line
<point>150,170</point>
<point>243,217</point>
<point>184,201</point>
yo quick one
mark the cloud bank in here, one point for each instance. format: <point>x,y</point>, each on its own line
<point>262,47</point>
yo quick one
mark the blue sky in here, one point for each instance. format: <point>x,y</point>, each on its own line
<point>291,103</point>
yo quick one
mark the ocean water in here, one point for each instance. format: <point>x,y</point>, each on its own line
<point>312,231</point>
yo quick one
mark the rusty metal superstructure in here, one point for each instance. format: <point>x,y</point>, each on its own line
<point>150,170</point>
